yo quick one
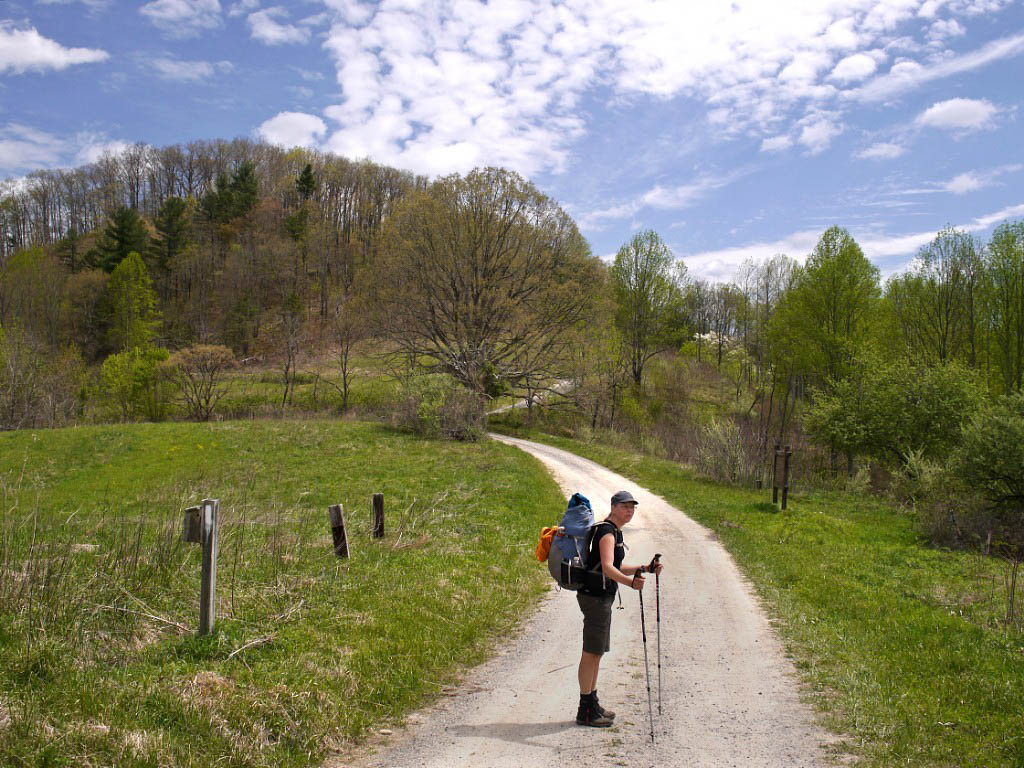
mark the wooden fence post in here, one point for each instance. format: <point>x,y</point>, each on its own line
<point>775,475</point>
<point>208,590</point>
<point>378,515</point>
<point>338,532</point>
<point>785,474</point>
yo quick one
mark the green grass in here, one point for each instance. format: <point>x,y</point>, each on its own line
<point>94,579</point>
<point>903,647</point>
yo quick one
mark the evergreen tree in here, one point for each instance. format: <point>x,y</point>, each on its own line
<point>173,230</point>
<point>306,183</point>
<point>125,233</point>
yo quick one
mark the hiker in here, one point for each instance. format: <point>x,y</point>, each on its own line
<point>596,598</point>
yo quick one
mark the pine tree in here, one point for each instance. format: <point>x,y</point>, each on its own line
<point>125,233</point>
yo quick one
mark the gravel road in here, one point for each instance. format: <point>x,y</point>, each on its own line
<point>728,692</point>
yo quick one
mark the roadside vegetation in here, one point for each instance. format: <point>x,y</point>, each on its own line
<point>99,661</point>
<point>906,649</point>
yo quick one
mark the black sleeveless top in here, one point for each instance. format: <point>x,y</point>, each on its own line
<point>594,583</point>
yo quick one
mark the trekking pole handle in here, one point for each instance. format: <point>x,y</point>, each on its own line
<point>654,562</point>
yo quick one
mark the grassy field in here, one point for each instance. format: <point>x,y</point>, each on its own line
<point>99,663</point>
<point>903,647</point>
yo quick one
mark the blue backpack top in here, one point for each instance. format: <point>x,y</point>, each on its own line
<point>578,519</point>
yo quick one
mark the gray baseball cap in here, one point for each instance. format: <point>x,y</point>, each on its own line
<point>623,497</point>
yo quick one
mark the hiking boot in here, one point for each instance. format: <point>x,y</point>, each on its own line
<point>601,710</point>
<point>588,714</point>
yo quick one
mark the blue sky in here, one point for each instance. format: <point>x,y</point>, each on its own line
<point>736,130</point>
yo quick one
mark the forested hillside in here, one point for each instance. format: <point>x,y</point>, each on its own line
<point>149,284</point>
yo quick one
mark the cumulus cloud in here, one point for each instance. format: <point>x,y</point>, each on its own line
<point>188,71</point>
<point>817,133</point>
<point>25,50</point>
<point>958,115</point>
<point>293,129</point>
<point>972,181</point>
<point>243,7</point>
<point>266,28</point>
<point>854,68</point>
<point>93,147</point>
<point>183,18</point>
<point>944,29</point>
<point>882,150</point>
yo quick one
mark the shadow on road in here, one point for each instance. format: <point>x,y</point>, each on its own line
<point>517,733</point>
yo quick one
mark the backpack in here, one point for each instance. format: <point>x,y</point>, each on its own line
<point>569,544</point>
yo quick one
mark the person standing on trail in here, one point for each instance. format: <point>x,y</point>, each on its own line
<point>596,598</point>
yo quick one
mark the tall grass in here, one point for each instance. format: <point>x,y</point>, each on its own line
<point>99,662</point>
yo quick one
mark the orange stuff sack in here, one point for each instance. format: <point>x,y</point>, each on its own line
<point>547,533</point>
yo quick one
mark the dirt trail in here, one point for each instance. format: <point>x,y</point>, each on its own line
<point>729,695</point>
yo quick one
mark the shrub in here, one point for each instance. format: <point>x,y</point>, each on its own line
<point>198,373</point>
<point>134,384</point>
<point>38,388</point>
<point>437,406</point>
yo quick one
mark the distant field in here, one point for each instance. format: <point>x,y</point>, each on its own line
<point>99,664</point>
<point>904,648</point>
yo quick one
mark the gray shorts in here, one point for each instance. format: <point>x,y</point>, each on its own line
<point>597,622</point>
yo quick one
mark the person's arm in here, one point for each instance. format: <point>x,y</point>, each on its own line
<point>627,575</point>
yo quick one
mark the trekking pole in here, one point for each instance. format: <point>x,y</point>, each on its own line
<point>657,603</point>
<point>647,668</point>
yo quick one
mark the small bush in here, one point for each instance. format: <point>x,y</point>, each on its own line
<point>437,406</point>
<point>133,384</point>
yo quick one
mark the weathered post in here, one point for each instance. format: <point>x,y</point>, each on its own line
<point>785,474</point>
<point>774,475</point>
<point>193,532</point>
<point>338,532</point>
<point>208,590</point>
<point>378,515</point>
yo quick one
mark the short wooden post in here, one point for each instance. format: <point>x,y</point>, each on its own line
<point>775,475</point>
<point>338,532</point>
<point>785,474</point>
<point>208,590</point>
<point>378,515</point>
<point>193,532</point>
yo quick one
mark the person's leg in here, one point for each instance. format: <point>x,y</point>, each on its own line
<point>590,664</point>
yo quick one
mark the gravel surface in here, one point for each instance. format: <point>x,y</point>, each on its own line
<point>728,694</point>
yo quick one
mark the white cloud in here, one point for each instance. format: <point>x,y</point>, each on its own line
<point>854,68</point>
<point>25,50</point>
<point>776,143</point>
<point>882,150</point>
<point>94,147</point>
<point>907,75</point>
<point>242,7</point>
<point>183,18</point>
<point>264,27</point>
<point>817,133</point>
<point>188,71</point>
<point>24,147</point>
<point>958,115</point>
<point>293,129</point>
<point>685,195</point>
<point>972,181</point>
<point>943,29</point>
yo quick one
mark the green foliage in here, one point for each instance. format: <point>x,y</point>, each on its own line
<point>230,199</point>
<point>125,234</point>
<point>1005,271</point>
<point>173,224</point>
<point>825,320</point>
<point>133,384</point>
<point>131,305</point>
<point>890,410</point>
<point>649,299</point>
<point>305,184</point>
<point>991,459</point>
<point>436,405</point>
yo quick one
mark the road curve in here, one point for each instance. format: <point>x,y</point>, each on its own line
<point>728,692</point>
